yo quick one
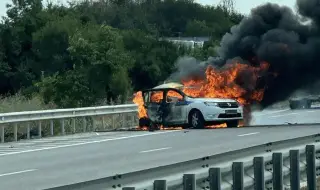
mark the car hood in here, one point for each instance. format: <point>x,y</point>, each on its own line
<point>213,99</point>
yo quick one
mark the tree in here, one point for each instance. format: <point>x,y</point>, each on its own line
<point>153,59</point>
<point>100,67</point>
<point>50,45</point>
<point>94,50</point>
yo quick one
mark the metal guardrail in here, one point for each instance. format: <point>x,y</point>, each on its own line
<point>275,165</point>
<point>47,117</point>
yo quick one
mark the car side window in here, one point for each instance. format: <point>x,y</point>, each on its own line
<point>156,96</point>
<point>173,96</point>
<point>146,97</point>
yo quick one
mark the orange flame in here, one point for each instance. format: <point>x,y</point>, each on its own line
<point>144,128</point>
<point>221,83</point>
<point>138,99</point>
<point>222,125</point>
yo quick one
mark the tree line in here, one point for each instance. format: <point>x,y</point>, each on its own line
<point>81,53</point>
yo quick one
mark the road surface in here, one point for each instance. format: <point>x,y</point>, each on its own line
<point>285,116</point>
<point>45,163</point>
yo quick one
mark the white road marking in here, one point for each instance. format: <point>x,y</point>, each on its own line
<point>247,134</point>
<point>153,150</point>
<point>18,172</point>
<point>311,111</point>
<point>3,151</point>
<point>84,143</point>
<point>285,115</point>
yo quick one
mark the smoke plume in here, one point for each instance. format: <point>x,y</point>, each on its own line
<point>274,34</point>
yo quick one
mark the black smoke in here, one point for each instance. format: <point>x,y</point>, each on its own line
<point>188,66</point>
<point>274,34</point>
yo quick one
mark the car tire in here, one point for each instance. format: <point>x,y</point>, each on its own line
<point>196,120</point>
<point>233,124</point>
<point>144,121</point>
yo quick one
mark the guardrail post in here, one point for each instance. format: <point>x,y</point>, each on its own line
<point>39,129</point>
<point>15,132</point>
<point>277,162</point>
<point>51,127</point>
<point>113,121</point>
<point>84,122</point>
<point>258,165</point>
<point>28,130</point>
<point>93,124</point>
<point>189,182</point>
<point>237,175</point>
<point>74,125</point>
<point>311,167</point>
<point>103,122</point>
<point>294,170</point>
<point>133,123</point>
<point>215,178</point>
<point>123,121</point>
<point>62,127</point>
<point>160,185</point>
<point>2,133</point>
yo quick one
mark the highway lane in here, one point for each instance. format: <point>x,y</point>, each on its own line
<point>285,116</point>
<point>39,169</point>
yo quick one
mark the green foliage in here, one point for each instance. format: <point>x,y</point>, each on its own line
<point>100,50</point>
<point>18,102</point>
<point>50,45</point>
<point>153,58</point>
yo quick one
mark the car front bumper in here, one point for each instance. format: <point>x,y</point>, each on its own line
<point>223,114</point>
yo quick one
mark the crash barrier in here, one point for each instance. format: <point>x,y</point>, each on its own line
<point>26,124</point>
<point>275,165</point>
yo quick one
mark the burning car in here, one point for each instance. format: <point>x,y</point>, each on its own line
<point>169,106</point>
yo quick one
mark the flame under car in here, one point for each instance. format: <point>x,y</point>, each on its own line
<point>167,105</point>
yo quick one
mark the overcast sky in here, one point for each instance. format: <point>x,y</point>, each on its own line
<point>243,6</point>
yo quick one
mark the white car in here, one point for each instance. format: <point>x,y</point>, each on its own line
<point>169,106</point>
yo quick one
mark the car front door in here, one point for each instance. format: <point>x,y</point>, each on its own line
<point>152,102</point>
<point>176,109</point>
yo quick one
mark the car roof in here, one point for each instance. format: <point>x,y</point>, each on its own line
<point>160,89</point>
<point>169,85</point>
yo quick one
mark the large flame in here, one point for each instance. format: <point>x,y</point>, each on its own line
<point>224,83</point>
<point>235,81</point>
<point>138,99</point>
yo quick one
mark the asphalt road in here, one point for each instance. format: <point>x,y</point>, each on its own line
<point>53,162</point>
<point>285,116</point>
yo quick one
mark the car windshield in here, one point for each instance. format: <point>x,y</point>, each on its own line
<point>192,91</point>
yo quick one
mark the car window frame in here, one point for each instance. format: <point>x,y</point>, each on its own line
<point>175,90</point>
<point>164,91</point>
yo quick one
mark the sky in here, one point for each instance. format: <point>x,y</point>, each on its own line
<point>242,6</point>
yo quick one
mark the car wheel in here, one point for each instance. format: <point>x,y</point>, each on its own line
<point>232,124</point>
<point>196,120</point>
<point>144,122</point>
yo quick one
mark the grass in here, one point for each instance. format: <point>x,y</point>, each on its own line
<point>17,102</point>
